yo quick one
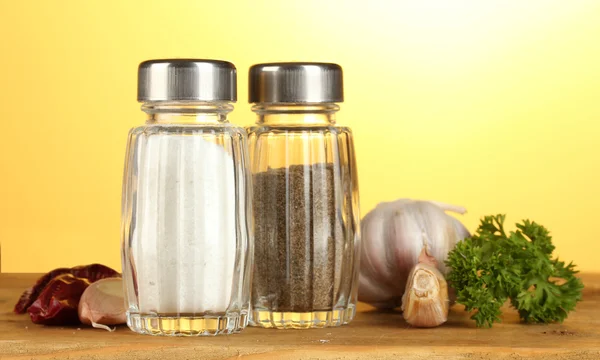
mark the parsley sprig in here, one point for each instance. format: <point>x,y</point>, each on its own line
<point>492,266</point>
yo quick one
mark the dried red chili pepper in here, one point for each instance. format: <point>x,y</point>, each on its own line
<point>93,272</point>
<point>31,294</point>
<point>58,302</point>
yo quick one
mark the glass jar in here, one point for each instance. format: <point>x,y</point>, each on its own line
<point>305,193</point>
<point>186,211</point>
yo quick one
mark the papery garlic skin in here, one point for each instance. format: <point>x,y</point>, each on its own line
<point>425,302</point>
<point>392,239</point>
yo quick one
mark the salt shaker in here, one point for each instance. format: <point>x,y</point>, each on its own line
<point>306,201</point>
<point>186,213</point>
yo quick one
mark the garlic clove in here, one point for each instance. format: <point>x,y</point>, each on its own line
<point>102,303</point>
<point>425,302</point>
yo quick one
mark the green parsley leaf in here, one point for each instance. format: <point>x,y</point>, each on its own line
<point>491,267</point>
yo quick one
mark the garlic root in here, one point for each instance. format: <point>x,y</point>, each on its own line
<point>105,327</point>
<point>102,304</point>
<point>425,302</point>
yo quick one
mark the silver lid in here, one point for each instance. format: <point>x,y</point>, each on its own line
<point>186,79</point>
<point>295,82</point>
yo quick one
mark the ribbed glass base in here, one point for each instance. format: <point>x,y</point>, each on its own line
<point>302,320</point>
<point>183,325</point>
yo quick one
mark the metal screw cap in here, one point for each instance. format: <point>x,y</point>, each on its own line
<point>187,79</point>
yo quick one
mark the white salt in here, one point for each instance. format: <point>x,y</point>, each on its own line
<point>184,242</point>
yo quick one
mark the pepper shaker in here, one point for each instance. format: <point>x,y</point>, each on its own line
<point>306,201</point>
<point>186,213</point>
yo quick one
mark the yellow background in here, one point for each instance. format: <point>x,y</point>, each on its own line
<point>493,105</point>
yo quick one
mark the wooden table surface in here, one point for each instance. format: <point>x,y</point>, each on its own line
<point>372,335</point>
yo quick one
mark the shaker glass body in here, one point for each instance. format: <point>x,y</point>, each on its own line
<point>305,195</point>
<point>186,216</point>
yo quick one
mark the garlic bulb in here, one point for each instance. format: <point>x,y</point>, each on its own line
<point>392,239</point>
<point>425,302</point>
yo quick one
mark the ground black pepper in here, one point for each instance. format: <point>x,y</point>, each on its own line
<point>302,262</point>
